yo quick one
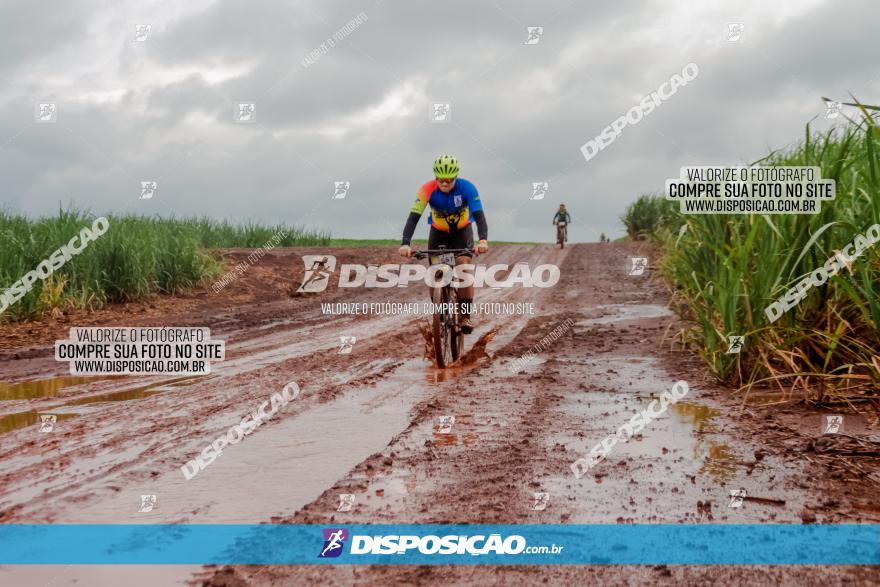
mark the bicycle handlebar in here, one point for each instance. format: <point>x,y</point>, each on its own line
<point>426,252</point>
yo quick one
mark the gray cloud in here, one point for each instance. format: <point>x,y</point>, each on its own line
<point>162,109</point>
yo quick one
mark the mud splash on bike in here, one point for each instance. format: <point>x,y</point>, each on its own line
<point>477,352</point>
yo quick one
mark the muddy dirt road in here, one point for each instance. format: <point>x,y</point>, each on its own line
<point>375,424</point>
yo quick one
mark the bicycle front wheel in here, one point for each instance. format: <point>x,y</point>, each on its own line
<point>441,330</point>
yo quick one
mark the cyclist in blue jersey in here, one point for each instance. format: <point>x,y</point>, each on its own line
<point>455,204</point>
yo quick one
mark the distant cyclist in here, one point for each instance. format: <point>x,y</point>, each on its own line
<point>455,203</point>
<point>562,215</point>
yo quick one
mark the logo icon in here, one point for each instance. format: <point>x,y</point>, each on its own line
<point>319,268</point>
<point>334,540</point>
<point>440,112</point>
<point>541,500</point>
<point>833,424</point>
<point>638,265</point>
<point>46,112</point>
<point>444,424</point>
<point>736,498</point>
<point>141,31</point>
<point>346,344</point>
<point>346,500</point>
<point>47,422</point>
<point>539,190</point>
<point>148,502</point>
<point>534,35</point>
<point>735,31</point>
<point>580,468</point>
<point>245,112</point>
<point>456,200</point>
<point>832,109</point>
<point>148,189</point>
<point>736,344</point>
<point>340,189</point>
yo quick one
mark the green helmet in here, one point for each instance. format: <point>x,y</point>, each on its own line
<point>446,167</point>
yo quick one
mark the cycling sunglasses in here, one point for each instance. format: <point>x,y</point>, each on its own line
<point>446,179</point>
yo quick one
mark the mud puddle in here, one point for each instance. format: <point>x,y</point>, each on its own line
<point>70,409</point>
<point>37,388</point>
<point>11,422</point>
<point>679,459</point>
<point>251,480</point>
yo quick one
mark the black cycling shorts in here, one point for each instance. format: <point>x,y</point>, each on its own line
<point>460,239</point>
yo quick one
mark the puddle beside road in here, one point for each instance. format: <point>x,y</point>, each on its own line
<point>38,388</point>
<point>719,463</point>
<point>699,416</point>
<point>251,480</point>
<point>679,459</point>
<point>11,422</point>
<point>17,420</point>
<point>116,396</point>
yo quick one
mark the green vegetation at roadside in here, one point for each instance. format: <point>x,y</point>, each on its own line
<point>137,257</point>
<point>726,269</point>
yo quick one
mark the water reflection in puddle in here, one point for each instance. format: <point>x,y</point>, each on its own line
<point>717,460</point>
<point>44,387</point>
<point>11,422</point>
<point>718,463</point>
<point>130,394</point>
<point>699,416</point>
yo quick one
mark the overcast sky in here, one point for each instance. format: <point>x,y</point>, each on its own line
<point>162,109</point>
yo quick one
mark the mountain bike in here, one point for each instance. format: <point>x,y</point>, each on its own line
<point>446,331</point>
<point>561,233</point>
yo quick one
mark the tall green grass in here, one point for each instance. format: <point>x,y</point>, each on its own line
<point>726,269</point>
<point>137,257</point>
<point>648,215</point>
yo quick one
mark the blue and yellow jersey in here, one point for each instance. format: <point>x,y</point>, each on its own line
<point>454,209</point>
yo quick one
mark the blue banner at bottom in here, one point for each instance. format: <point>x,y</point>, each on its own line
<point>368,544</point>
